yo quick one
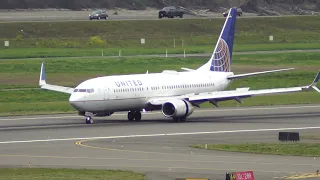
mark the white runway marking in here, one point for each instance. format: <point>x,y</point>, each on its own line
<point>152,113</point>
<point>155,135</point>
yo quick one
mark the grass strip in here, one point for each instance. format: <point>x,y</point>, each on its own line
<point>195,32</point>
<point>17,53</point>
<point>288,148</point>
<point>310,137</point>
<point>67,174</point>
<point>140,64</point>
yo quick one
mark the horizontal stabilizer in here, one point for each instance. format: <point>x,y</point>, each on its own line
<point>314,83</point>
<point>170,72</point>
<point>315,88</point>
<point>187,69</point>
<point>256,73</point>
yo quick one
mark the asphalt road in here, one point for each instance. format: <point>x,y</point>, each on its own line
<point>159,147</point>
<point>56,15</point>
<point>7,16</point>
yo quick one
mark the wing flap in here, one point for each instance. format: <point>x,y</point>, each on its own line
<point>235,94</point>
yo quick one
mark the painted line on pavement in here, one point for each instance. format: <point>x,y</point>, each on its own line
<point>157,135</point>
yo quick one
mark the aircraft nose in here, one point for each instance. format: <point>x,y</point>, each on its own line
<point>77,101</point>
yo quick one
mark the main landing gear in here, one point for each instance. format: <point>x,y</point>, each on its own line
<point>179,119</point>
<point>134,115</point>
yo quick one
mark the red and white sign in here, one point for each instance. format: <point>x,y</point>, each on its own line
<point>248,175</point>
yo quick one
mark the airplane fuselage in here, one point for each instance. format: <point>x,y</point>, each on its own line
<point>132,92</point>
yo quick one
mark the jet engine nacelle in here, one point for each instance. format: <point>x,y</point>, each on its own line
<point>177,108</point>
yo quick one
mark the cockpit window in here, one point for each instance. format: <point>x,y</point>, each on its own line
<point>75,90</point>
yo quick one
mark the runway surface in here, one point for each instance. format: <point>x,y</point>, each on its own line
<point>159,147</point>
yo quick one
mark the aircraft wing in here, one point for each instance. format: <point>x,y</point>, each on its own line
<point>256,73</point>
<point>62,89</point>
<point>44,85</point>
<point>236,94</point>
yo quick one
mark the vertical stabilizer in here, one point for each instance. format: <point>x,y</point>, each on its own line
<point>221,58</point>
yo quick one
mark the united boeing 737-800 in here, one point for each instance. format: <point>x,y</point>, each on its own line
<point>173,93</point>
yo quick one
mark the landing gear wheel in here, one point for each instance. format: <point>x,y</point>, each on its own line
<point>89,120</point>
<point>134,115</point>
<point>176,119</point>
<point>130,116</point>
<point>137,116</point>
<point>179,119</point>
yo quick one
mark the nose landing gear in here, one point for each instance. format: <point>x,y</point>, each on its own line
<point>134,115</point>
<point>89,120</point>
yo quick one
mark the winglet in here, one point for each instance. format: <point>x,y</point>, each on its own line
<point>42,79</point>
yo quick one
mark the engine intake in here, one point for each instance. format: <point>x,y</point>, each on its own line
<point>177,108</point>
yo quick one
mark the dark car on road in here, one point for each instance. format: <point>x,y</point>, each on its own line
<point>98,14</point>
<point>171,12</point>
<point>239,12</point>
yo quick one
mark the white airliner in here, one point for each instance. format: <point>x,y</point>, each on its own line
<point>174,93</point>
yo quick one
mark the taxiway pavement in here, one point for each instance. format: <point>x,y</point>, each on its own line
<point>157,146</point>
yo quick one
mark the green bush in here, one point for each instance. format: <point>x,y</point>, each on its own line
<point>96,41</point>
<point>19,36</point>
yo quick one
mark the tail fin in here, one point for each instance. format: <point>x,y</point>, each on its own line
<point>221,58</point>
